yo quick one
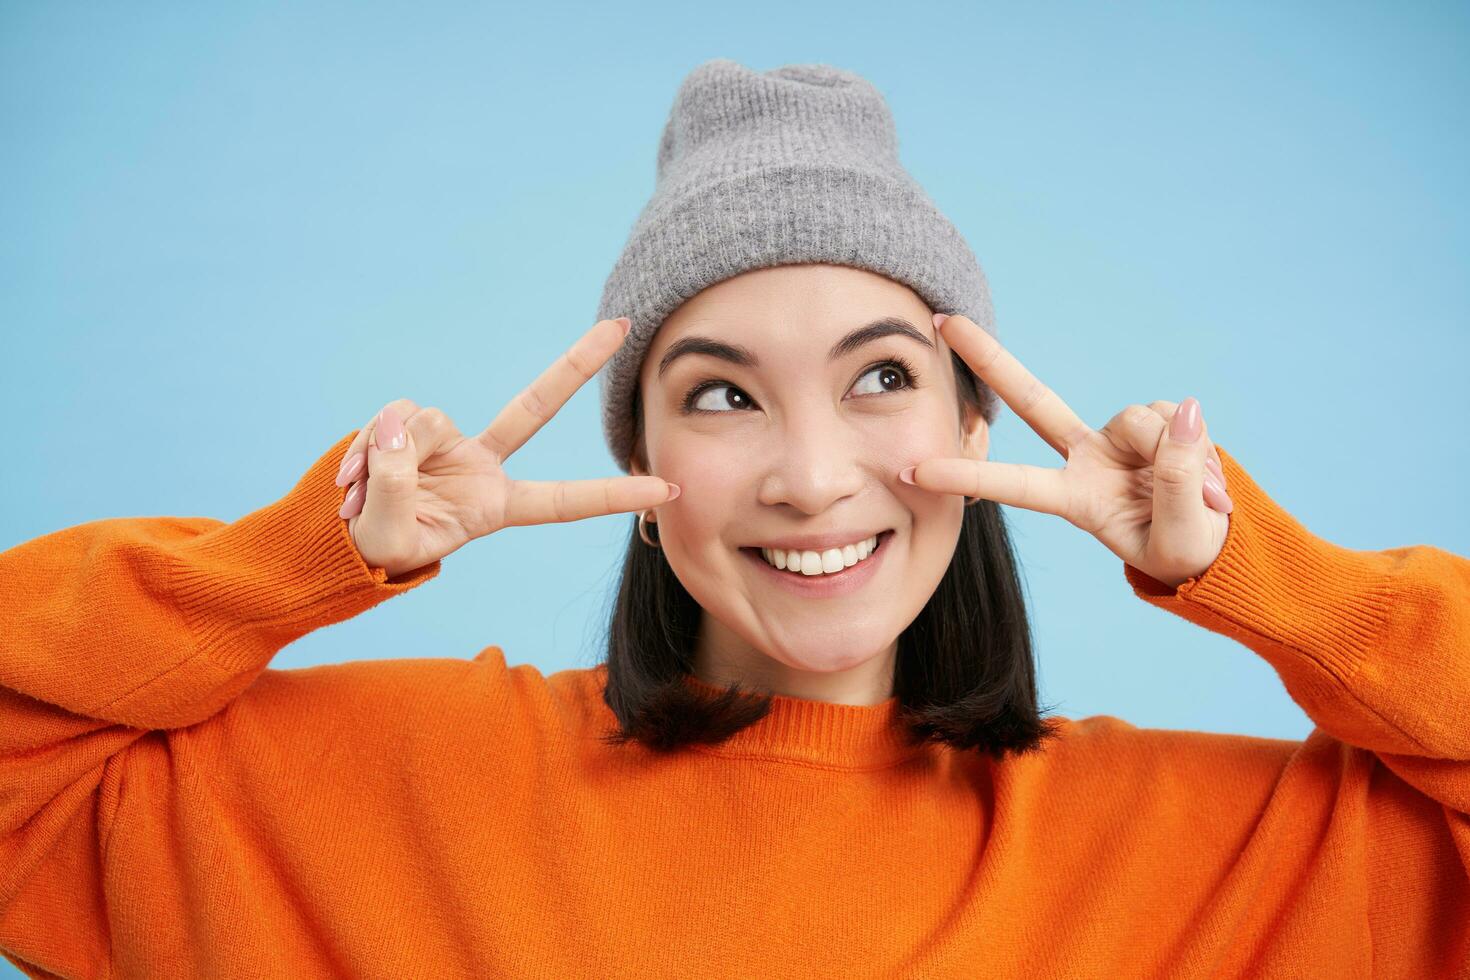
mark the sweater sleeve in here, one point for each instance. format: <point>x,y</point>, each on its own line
<point>116,627</point>
<point>1375,647</point>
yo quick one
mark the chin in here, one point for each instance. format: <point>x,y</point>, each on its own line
<point>822,662</point>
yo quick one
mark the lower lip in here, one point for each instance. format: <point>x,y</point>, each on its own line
<point>850,579</point>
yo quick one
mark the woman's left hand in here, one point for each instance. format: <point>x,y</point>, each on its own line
<point>1148,485</point>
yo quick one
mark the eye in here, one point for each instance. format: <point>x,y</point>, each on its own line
<point>891,370</point>
<point>736,397</point>
<point>697,402</point>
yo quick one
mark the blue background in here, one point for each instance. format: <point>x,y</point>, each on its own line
<point>233,231</point>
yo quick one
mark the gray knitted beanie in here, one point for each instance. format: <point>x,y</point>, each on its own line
<point>756,169</point>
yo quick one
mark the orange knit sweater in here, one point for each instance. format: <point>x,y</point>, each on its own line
<point>172,807</point>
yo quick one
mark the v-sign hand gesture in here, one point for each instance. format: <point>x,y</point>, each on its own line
<point>420,489</point>
<point>1148,485</point>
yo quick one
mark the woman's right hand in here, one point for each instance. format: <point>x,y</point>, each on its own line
<point>413,505</point>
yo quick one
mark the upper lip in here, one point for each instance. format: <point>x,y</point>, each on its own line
<point>819,542</point>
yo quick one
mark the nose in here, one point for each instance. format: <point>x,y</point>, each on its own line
<point>815,465</point>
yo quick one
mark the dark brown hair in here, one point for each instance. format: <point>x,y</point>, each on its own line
<point>965,673</point>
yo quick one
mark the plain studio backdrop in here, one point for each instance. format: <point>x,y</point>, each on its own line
<point>232,232</point>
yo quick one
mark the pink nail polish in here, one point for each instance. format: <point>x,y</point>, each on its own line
<point>1186,425</point>
<point>352,467</point>
<point>1216,496</point>
<point>389,433</point>
<point>907,475</point>
<point>939,319</point>
<point>351,504</point>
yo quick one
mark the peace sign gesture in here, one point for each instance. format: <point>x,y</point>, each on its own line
<point>420,490</point>
<point>1148,485</point>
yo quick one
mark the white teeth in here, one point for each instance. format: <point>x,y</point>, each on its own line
<point>820,562</point>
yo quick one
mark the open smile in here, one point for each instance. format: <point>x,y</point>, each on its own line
<point>825,584</point>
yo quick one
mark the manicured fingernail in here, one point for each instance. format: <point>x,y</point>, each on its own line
<point>1216,496</point>
<point>1215,469</point>
<point>907,475</point>
<point>351,468</point>
<point>674,491</point>
<point>1185,426</point>
<point>350,504</point>
<point>939,319</point>
<point>389,433</point>
<point>626,323</point>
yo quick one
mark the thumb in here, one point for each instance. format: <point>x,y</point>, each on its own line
<point>393,478</point>
<point>1179,511</point>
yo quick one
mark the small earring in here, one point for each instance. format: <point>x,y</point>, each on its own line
<point>642,529</point>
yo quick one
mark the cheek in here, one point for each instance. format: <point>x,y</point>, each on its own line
<point>916,435</point>
<point>911,440</point>
<point>710,492</point>
<point>701,467</point>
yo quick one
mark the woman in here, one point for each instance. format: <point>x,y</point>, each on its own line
<point>801,395</point>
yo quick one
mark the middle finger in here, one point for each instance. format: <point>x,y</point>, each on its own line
<point>1039,406</point>
<point>544,397</point>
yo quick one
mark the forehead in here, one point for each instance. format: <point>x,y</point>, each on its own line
<point>795,311</point>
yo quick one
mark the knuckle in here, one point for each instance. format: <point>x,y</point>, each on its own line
<point>434,423</point>
<point>1035,392</point>
<point>532,402</point>
<point>402,407</point>
<point>1173,476</point>
<point>580,363</point>
<point>1138,417</point>
<point>988,357</point>
<point>393,483</point>
<point>1164,408</point>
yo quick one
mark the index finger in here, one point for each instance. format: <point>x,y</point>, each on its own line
<point>544,397</point>
<point>557,501</point>
<point>1040,407</point>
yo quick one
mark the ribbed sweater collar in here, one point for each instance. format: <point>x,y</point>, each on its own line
<point>821,733</point>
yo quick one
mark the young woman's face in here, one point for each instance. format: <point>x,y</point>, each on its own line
<point>801,443</point>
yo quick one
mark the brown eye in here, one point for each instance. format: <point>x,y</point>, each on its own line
<point>891,377</point>
<point>735,399</point>
<point>894,374</point>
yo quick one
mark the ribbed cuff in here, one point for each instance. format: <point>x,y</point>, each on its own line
<point>1275,583</point>
<point>249,587</point>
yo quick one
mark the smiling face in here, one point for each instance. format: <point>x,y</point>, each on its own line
<point>801,443</point>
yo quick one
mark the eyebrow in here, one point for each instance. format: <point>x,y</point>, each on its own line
<point>734,353</point>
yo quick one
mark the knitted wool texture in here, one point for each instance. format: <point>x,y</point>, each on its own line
<point>756,169</point>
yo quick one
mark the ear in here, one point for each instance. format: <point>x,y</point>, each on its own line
<point>975,436</point>
<point>636,466</point>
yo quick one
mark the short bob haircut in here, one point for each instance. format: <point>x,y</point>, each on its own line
<point>965,673</point>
